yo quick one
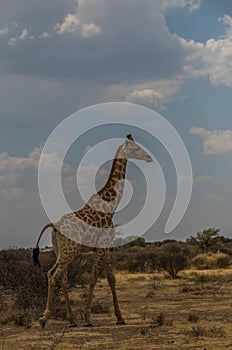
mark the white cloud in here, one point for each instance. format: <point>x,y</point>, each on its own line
<point>4,30</point>
<point>127,60</point>
<point>89,30</point>
<point>227,20</point>
<point>72,24</point>
<point>19,174</point>
<point>215,141</point>
<point>191,4</point>
<point>12,41</point>
<point>154,94</point>
<point>24,34</point>
<point>147,96</point>
<point>212,58</point>
<point>44,35</point>
<point>131,42</point>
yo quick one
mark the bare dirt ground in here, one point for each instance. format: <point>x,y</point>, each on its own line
<point>185,313</point>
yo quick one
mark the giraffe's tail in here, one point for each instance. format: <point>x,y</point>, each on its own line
<point>35,253</point>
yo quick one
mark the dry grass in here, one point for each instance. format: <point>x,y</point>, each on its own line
<point>182,314</point>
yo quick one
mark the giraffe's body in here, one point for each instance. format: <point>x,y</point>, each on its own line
<point>90,228</point>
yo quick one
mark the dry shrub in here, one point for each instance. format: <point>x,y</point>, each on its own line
<point>136,260</point>
<point>215,278</point>
<point>211,261</point>
<point>19,278</point>
<point>193,318</point>
<point>100,308</point>
<point>26,285</point>
<point>209,332</point>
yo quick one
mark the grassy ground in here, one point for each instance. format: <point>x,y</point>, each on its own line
<point>191,312</point>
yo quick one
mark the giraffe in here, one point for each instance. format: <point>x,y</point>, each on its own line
<point>89,229</point>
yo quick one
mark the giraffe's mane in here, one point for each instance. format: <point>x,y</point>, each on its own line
<point>112,170</point>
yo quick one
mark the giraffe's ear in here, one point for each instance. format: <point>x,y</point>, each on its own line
<point>129,137</point>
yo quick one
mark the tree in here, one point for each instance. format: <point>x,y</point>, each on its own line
<point>174,258</point>
<point>130,241</point>
<point>206,241</point>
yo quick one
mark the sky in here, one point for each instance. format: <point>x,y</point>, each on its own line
<point>60,56</point>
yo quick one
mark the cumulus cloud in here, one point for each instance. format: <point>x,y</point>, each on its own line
<point>71,24</point>
<point>147,96</point>
<point>81,50</point>
<point>128,51</point>
<point>212,58</point>
<point>215,141</point>
<point>155,94</point>
<point>90,29</point>
<point>19,174</point>
<point>227,20</point>
<point>4,30</point>
<point>22,36</point>
<point>44,35</point>
<point>190,4</point>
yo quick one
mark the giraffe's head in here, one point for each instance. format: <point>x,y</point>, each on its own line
<point>132,150</point>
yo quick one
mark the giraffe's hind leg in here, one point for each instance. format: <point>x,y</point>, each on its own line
<point>112,283</point>
<point>69,314</point>
<point>54,274</point>
<point>98,261</point>
<point>65,251</point>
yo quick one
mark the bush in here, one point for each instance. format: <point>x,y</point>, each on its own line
<point>20,278</point>
<point>223,261</point>
<point>193,318</point>
<point>142,260</point>
<point>27,285</point>
<point>174,258</point>
<point>209,332</point>
<point>211,261</point>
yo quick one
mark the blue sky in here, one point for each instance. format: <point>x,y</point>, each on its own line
<point>58,56</point>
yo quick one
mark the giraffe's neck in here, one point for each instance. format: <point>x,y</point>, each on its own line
<point>109,196</point>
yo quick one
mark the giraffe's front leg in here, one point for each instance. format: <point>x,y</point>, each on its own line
<point>87,322</point>
<point>112,283</point>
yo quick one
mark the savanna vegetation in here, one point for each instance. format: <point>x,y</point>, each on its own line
<point>162,283</point>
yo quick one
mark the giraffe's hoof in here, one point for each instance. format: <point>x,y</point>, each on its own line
<point>121,322</point>
<point>42,322</point>
<point>88,324</point>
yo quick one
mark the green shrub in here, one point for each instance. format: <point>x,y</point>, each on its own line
<point>174,258</point>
